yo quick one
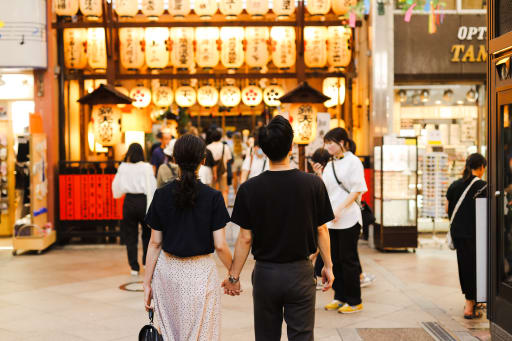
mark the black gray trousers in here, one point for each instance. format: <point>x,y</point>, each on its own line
<point>284,290</point>
<point>134,211</point>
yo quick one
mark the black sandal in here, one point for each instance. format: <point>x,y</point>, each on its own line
<point>474,315</point>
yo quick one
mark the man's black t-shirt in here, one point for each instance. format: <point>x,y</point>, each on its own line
<point>283,209</point>
<point>187,232</point>
<point>464,225</point>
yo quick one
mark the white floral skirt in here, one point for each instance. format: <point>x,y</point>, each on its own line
<point>186,294</point>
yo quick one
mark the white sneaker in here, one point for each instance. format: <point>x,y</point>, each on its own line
<point>134,273</point>
<point>367,280</point>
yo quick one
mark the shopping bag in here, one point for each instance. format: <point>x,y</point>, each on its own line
<point>149,332</point>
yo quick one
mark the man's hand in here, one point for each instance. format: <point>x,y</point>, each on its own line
<point>230,288</point>
<point>148,296</point>
<point>327,278</point>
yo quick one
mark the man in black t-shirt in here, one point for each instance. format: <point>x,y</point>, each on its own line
<point>282,215</point>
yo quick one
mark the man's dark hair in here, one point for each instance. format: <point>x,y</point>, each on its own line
<point>276,138</point>
<point>159,135</point>
<point>215,135</point>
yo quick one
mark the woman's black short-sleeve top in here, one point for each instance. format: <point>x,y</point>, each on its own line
<point>187,232</point>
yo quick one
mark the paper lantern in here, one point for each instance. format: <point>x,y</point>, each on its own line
<point>182,55</point>
<point>125,92</point>
<point>107,124</point>
<point>66,8</point>
<point>96,48</point>
<point>157,53</point>
<point>339,52</point>
<point>163,96</point>
<point>127,8</point>
<point>256,53</point>
<point>232,50</point>
<point>131,51</point>
<point>334,88</point>
<point>341,7</point>
<point>256,8</point>
<point>75,52</point>
<point>179,8</point>
<point>283,8</point>
<point>207,96</point>
<point>185,96</point>
<point>303,122</point>
<point>271,95</point>
<point>230,96</point>
<point>92,9</point>
<point>315,49</point>
<point>152,8</point>
<point>141,96</point>
<point>252,96</point>
<point>231,8</point>
<point>207,53</point>
<point>205,9</point>
<point>283,46</point>
<point>318,7</point>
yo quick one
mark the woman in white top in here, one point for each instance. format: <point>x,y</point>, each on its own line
<point>344,179</point>
<point>221,154</point>
<point>136,180</point>
<point>255,163</point>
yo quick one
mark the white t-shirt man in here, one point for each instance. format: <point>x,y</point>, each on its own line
<point>350,173</point>
<point>216,149</point>
<point>259,164</point>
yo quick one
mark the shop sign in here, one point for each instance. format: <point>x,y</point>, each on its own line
<point>457,48</point>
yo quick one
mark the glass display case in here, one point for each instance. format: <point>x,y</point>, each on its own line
<point>396,192</point>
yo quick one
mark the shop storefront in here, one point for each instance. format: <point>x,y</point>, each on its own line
<point>499,172</point>
<point>223,63</point>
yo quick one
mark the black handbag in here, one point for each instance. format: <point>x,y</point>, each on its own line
<point>366,211</point>
<point>149,332</point>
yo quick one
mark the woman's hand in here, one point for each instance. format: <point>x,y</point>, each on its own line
<point>148,295</point>
<point>317,168</point>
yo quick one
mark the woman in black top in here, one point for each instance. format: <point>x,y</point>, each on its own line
<point>463,226</point>
<point>187,219</point>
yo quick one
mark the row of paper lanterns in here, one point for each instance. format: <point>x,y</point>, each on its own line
<point>229,96</point>
<point>204,8</point>
<point>184,47</point>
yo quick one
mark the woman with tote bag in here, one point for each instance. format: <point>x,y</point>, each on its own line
<point>461,208</point>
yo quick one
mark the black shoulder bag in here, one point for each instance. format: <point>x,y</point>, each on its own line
<point>366,211</point>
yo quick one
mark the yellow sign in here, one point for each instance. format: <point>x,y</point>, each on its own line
<point>466,53</point>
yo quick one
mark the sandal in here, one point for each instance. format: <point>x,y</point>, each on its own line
<point>474,315</point>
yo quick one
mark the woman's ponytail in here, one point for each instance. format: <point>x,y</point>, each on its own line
<point>473,162</point>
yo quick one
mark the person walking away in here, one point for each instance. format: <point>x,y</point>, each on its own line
<point>282,215</point>
<point>134,179</point>
<point>238,159</point>
<point>187,220</point>
<point>461,208</point>
<point>206,170</point>
<point>255,163</point>
<point>221,154</point>
<point>344,179</point>
<point>158,156</point>
<point>168,171</point>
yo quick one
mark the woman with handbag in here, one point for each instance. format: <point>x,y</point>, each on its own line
<point>344,179</point>
<point>187,219</point>
<point>461,208</point>
<point>221,156</point>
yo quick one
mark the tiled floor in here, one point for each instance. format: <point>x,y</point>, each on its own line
<point>73,293</point>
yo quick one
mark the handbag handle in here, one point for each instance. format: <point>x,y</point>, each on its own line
<point>151,314</point>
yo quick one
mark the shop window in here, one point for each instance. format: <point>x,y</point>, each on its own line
<point>503,17</point>
<point>474,4</point>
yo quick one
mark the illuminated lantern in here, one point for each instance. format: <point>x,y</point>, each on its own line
<point>339,52</point>
<point>257,54</point>
<point>230,96</point>
<point>341,7</point>
<point>107,124</point>
<point>127,8</point>
<point>315,52</point>
<point>182,55</point>
<point>271,95</point>
<point>252,96</point>
<point>132,54</point>
<point>207,53</point>
<point>66,8</point>
<point>205,9</point>
<point>96,48</point>
<point>125,92</point>
<point>232,49</point>
<point>335,89</point>
<point>283,50</point>
<point>163,96</point>
<point>207,96</point>
<point>92,9</point>
<point>283,8</point>
<point>185,96</point>
<point>157,53</point>
<point>179,8</point>
<point>152,8</point>
<point>304,102</point>
<point>318,7</point>
<point>231,8</point>
<point>141,96</point>
<point>257,8</point>
<point>75,52</point>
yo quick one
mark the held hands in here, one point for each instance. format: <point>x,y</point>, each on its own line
<point>327,278</point>
<point>230,288</point>
<point>148,296</point>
